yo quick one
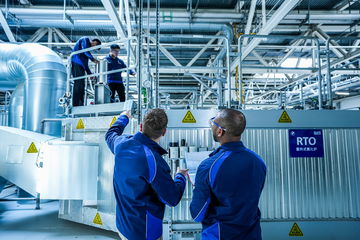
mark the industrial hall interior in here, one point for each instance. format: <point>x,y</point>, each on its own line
<point>180,119</point>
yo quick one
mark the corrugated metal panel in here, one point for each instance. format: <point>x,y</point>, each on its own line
<point>309,188</point>
<point>296,188</point>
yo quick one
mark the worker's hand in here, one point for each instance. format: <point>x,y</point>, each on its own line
<point>184,172</point>
<point>93,78</point>
<point>96,61</point>
<point>127,113</point>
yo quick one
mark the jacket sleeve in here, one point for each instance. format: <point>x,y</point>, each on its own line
<point>85,44</point>
<point>168,190</point>
<point>123,65</point>
<point>201,194</point>
<point>115,132</point>
<point>87,69</point>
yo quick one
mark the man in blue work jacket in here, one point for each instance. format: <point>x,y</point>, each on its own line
<point>228,184</point>
<point>80,65</point>
<point>115,80</point>
<point>142,180</point>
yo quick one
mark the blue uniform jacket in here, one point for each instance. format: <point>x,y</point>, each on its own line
<point>115,64</point>
<point>82,59</point>
<point>227,190</point>
<point>142,183</point>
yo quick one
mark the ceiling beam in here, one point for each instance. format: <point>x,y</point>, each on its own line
<point>250,19</point>
<point>208,44</point>
<point>62,35</point>
<point>275,19</point>
<point>111,11</point>
<point>167,53</point>
<point>127,17</point>
<point>345,4</point>
<point>6,28</point>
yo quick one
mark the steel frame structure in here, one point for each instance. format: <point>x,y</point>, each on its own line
<point>263,98</point>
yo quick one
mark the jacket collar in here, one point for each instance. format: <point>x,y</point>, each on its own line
<point>230,146</point>
<point>149,143</point>
<point>111,58</point>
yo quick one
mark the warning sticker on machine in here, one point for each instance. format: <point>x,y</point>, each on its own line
<point>285,118</point>
<point>189,118</point>
<point>97,219</point>
<point>295,231</point>
<point>113,121</point>
<point>32,148</point>
<point>80,124</point>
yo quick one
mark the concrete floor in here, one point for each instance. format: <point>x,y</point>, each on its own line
<point>19,221</point>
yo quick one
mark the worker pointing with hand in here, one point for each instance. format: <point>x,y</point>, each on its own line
<point>142,181</point>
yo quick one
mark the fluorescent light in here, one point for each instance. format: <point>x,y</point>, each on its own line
<point>342,93</point>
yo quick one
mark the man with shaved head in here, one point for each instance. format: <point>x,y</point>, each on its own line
<point>228,184</point>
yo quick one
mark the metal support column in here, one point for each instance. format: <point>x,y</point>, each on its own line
<point>157,57</point>
<point>139,71</point>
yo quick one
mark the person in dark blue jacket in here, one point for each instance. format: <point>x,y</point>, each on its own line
<point>115,80</point>
<point>228,184</point>
<point>142,180</point>
<point>80,65</point>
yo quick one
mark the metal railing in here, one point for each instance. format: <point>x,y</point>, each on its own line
<point>127,41</point>
<point>186,69</point>
<point>316,59</point>
<point>346,58</point>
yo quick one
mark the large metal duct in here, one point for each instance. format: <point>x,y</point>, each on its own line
<point>16,108</point>
<point>44,77</point>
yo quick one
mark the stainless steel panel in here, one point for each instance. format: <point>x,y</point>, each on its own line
<point>316,189</point>
<point>102,93</point>
<point>94,132</point>
<point>309,188</point>
<point>269,119</point>
<point>69,170</point>
<point>56,170</point>
<point>296,188</point>
<point>14,144</point>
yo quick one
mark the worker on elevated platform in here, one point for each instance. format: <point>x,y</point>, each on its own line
<point>115,80</point>
<point>80,65</point>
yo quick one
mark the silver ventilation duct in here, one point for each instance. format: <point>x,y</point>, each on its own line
<point>16,108</point>
<point>44,77</point>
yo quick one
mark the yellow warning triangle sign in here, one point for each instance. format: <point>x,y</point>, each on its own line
<point>295,231</point>
<point>97,219</point>
<point>32,148</point>
<point>113,121</point>
<point>80,124</point>
<point>285,118</point>
<point>189,118</point>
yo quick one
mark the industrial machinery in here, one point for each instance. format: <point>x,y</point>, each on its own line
<point>312,156</point>
<point>313,192</point>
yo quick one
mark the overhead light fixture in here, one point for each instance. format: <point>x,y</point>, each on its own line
<point>342,93</point>
<point>24,2</point>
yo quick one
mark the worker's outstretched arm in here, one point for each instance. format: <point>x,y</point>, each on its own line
<point>130,71</point>
<point>169,190</point>
<point>87,69</point>
<point>115,131</point>
<point>201,195</point>
<point>85,43</point>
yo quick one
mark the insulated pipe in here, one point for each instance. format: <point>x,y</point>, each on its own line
<point>16,107</point>
<point>44,77</point>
